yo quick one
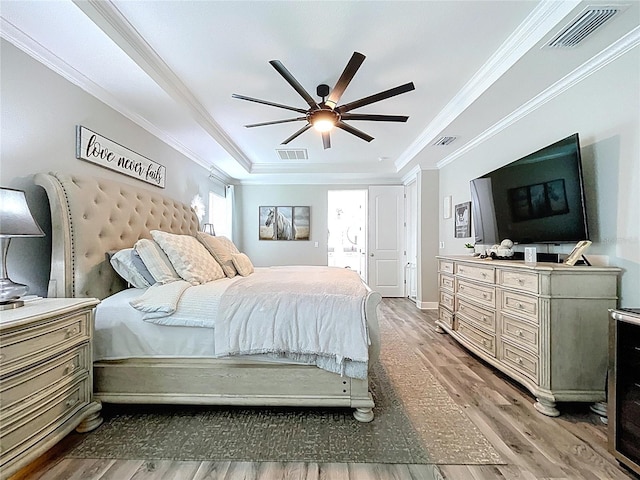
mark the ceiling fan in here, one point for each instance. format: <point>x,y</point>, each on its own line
<point>325,115</point>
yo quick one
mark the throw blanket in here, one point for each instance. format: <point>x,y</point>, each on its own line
<point>309,314</point>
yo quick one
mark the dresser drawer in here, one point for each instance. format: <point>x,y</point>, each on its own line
<point>446,317</point>
<point>521,333</point>
<point>28,345</point>
<point>477,337</point>
<point>38,420</point>
<point>476,272</point>
<point>20,387</point>
<point>482,317</point>
<point>446,282</point>
<point>445,266</point>
<point>525,281</point>
<point>446,299</point>
<point>519,304</point>
<point>484,294</point>
<point>520,360</point>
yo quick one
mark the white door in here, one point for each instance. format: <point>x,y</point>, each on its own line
<point>386,240</point>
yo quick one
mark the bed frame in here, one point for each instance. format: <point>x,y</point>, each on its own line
<point>92,216</point>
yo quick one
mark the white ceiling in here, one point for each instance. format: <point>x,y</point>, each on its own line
<point>172,66</point>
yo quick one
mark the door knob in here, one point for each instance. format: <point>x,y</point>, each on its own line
<point>371,254</point>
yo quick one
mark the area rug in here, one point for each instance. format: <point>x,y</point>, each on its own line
<point>416,422</point>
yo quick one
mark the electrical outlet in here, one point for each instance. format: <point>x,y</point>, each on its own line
<point>441,244</point>
<point>315,244</point>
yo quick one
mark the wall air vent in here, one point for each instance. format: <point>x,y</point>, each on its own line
<point>292,154</point>
<point>444,141</point>
<point>582,26</point>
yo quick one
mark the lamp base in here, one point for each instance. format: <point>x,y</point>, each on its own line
<point>11,304</point>
<point>10,290</point>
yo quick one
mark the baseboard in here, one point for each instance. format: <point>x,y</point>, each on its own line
<point>427,305</point>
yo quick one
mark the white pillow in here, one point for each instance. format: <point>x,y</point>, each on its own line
<point>242,263</point>
<point>220,250</point>
<point>156,261</point>
<point>189,257</point>
<point>124,263</point>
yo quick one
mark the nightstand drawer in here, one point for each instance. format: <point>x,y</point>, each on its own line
<point>21,348</point>
<point>520,280</point>
<point>36,421</point>
<point>477,337</point>
<point>480,316</point>
<point>20,387</point>
<point>523,305</point>
<point>483,294</point>
<point>475,272</point>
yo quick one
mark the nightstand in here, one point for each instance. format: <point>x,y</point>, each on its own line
<point>46,377</point>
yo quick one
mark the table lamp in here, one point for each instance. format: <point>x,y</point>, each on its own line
<point>15,221</point>
<point>208,228</point>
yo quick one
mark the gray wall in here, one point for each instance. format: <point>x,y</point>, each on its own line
<point>427,238</point>
<point>300,252</point>
<point>40,110</point>
<point>604,109</point>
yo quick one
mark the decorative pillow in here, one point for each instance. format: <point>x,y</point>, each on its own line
<point>136,274</point>
<point>189,257</point>
<point>220,250</point>
<point>156,261</point>
<point>228,243</point>
<point>242,263</point>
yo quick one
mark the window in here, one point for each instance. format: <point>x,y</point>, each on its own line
<point>221,213</point>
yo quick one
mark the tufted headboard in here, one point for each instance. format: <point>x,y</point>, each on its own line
<point>92,216</point>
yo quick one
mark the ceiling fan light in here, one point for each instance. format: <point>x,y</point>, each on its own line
<point>323,125</point>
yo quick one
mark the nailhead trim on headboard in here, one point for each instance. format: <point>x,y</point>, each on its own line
<point>91,216</point>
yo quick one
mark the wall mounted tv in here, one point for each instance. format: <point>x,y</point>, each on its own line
<point>536,199</point>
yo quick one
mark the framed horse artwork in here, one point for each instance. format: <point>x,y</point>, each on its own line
<point>284,223</point>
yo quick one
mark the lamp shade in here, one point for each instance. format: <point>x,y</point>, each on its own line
<point>15,217</point>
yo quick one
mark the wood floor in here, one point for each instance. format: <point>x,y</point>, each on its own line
<point>572,446</point>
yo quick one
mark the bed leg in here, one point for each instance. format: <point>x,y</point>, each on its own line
<point>364,415</point>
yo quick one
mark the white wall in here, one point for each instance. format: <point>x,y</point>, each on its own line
<point>605,110</point>
<point>40,111</point>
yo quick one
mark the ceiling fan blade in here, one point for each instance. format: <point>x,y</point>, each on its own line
<point>294,83</point>
<point>275,122</point>
<point>392,92</point>
<point>299,132</point>
<point>326,140</point>
<point>373,117</point>
<point>264,102</point>
<point>344,80</point>
<point>354,131</point>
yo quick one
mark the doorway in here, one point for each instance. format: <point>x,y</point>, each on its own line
<point>347,223</point>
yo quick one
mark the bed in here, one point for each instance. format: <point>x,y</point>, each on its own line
<point>91,217</point>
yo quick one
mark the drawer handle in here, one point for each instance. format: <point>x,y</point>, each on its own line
<point>484,318</point>
<point>519,333</point>
<point>521,281</point>
<point>71,332</point>
<point>71,366</point>
<point>2,356</point>
<point>484,295</point>
<point>520,306</point>
<point>484,275</point>
<point>461,270</point>
<point>519,361</point>
<point>71,402</point>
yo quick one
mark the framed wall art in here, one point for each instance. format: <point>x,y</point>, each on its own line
<point>462,222</point>
<point>283,223</point>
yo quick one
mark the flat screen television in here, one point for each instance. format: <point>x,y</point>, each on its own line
<point>536,199</point>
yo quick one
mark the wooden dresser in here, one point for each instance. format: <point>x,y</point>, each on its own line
<point>46,379</point>
<point>545,325</point>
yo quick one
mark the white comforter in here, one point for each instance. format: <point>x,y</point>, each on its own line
<point>303,313</point>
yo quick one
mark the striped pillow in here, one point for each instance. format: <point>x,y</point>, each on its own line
<point>189,257</point>
<point>156,261</point>
<point>125,264</point>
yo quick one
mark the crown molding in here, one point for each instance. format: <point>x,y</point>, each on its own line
<point>110,20</point>
<point>28,45</point>
<point>606,56</point>
<point>545,16</point>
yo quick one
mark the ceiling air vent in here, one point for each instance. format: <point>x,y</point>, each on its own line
<point>583,26</point>
<point>444,141</point>
<point>292,154</point>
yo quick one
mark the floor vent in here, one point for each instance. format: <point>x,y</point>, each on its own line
<point>444,141</point>
<point>583,26</point>
<point>292,154</point>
